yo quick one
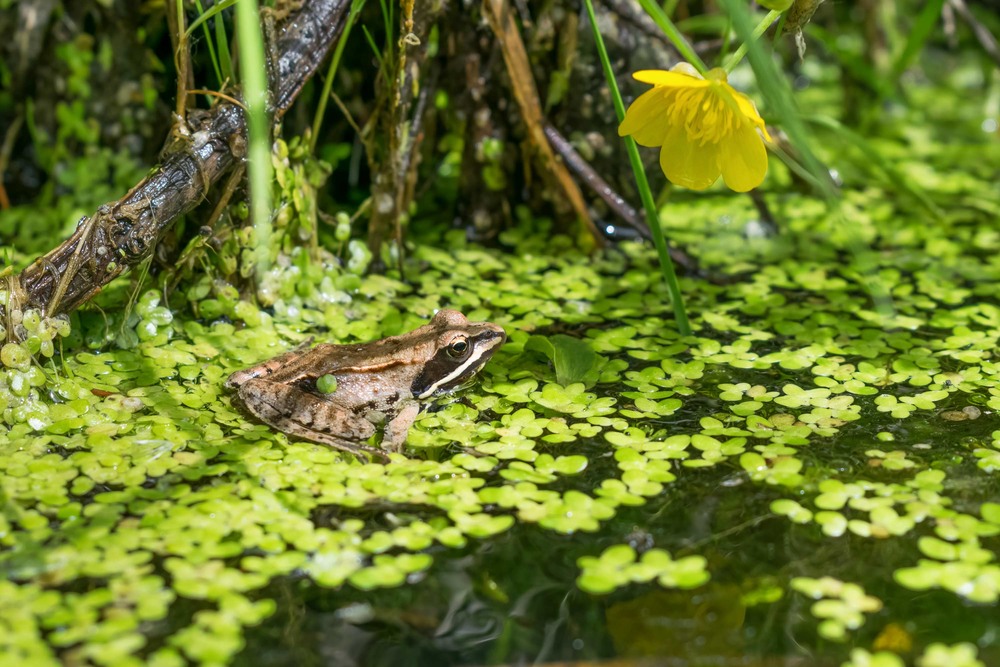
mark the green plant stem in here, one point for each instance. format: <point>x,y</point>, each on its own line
<point>253,76</point>
<point>737,57</point>
<point>652,216</point>
<point>673,34</point>
<point>780,29</point>
<point>317,123</point>
<point>211,46</point>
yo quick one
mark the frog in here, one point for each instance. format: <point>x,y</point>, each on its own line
<point>341,395</point>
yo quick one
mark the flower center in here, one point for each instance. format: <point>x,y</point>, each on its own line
<point>709,115</point>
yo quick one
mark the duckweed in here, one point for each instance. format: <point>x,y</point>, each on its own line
<point>801,446</point>
<point>841,606</point>
<point>618,565</point>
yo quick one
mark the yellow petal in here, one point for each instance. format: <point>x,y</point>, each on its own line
<point>688,164</point>
<point>744,159</point>
<point>749,109</point>
<point>646,118</point>
<point>660,77</point>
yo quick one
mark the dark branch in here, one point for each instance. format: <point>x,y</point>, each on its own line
<point>615,201</point>
<point>122,234</point>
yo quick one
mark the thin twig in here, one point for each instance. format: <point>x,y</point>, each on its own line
<point>985,37</point>
<point>615,201</point>
<point>347,114</point>
<point>221,96</point>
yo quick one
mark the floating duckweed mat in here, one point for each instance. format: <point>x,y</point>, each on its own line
<point>807,475</point>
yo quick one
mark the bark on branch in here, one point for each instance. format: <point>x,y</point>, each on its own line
<point>121,234</point>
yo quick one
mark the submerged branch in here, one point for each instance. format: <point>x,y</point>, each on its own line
<point>121,234</point>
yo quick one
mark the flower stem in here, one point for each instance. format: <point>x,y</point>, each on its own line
<point>735,59</point>
<point>652,217</point>
<point>673,34</point>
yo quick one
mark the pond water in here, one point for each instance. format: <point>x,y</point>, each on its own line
<point>514,599</point>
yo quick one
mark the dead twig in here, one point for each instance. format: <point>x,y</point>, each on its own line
<point>597,185</point>
<point>5,151</point>
<point>615,201</point>
<point>501,20</point>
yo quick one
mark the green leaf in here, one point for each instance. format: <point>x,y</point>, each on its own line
<point>215,9</point>
<point>572,358</point>
<point>920,31</point>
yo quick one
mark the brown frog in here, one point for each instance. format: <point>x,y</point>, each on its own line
<point>378,383</point>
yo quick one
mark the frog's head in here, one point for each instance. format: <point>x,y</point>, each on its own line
<point>461,348</point>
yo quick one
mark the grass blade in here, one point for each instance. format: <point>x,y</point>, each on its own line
<point>928,17</point>
<point>253,75</point>
<point>222,42</point>
<point>211,46</point>
<point>212,11</point>
<point>356,6</point>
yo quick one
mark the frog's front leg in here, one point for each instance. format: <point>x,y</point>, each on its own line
<point>397,428</point>
<point>299,413</point>
<point>268,367</point>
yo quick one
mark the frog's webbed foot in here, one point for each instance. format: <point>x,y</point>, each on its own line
<point>299,413</point>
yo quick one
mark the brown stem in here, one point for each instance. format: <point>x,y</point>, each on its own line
<point>501,20</point>
<point>615,201</point>
<point>593,180</point>
<point>182,55</point>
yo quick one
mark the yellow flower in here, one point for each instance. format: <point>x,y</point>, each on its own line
<point>704,128</point>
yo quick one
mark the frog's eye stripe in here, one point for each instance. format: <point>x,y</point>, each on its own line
<point>484,346</point>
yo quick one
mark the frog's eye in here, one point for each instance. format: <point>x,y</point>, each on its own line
<point>458,347</point>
